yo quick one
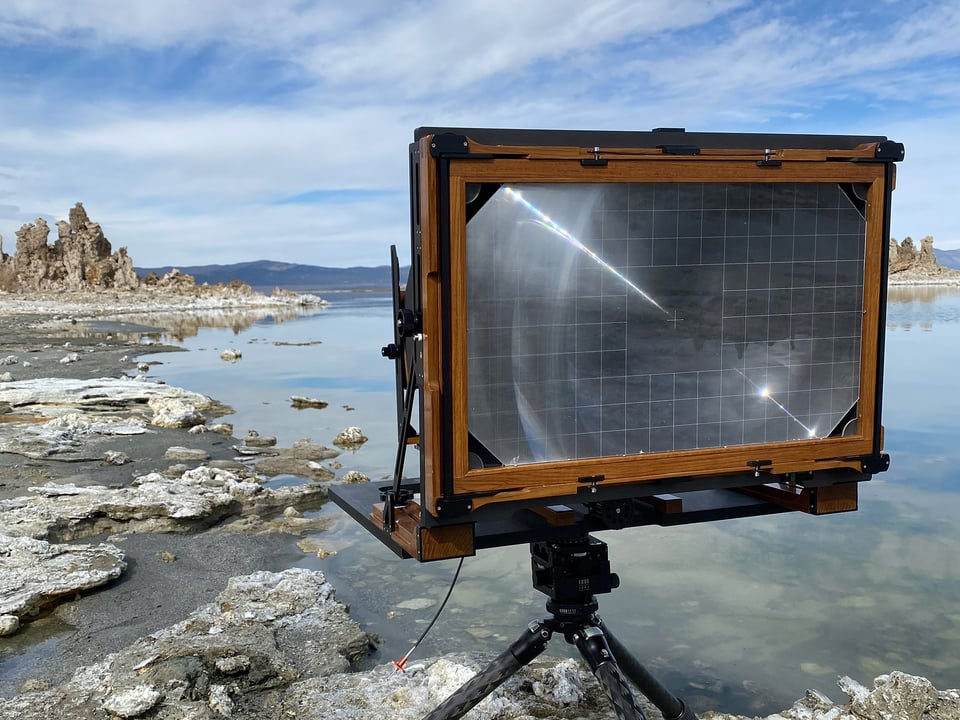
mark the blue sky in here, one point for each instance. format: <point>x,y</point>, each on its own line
<point>218,131</point>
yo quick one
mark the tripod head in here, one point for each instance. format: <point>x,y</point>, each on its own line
<point>570,572</point>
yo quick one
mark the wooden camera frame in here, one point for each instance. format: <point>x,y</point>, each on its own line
<point>458,504</point>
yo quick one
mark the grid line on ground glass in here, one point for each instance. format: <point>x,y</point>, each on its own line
<point>823,275</point>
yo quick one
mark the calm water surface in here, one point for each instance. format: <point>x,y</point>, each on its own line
<point>742,615</point>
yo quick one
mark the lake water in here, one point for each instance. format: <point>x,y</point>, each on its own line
<point>741,615</point>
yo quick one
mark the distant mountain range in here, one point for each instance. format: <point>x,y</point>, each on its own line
<point>267,274</point>
<point>950,258</point>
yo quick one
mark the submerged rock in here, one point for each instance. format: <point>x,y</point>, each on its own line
<point>178,452</point>
<point>285,465</point>
<point>254,439</point>
<point>35,575</point>
<point>302,459</point>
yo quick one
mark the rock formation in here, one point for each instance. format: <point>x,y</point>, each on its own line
<point>81,258</point>
<point>908,264</point>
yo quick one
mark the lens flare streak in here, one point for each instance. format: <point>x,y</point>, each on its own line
<point>544,221</point>
<point>764,392</point>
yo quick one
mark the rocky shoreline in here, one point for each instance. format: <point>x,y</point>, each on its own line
<point>142,536</point>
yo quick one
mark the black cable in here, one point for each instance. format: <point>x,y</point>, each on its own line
<point>398,664</point>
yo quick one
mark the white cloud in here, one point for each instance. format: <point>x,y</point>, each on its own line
<point>190,177</point>
<point>92,23</point>
<point>928,185</point>
<point>453,45</point>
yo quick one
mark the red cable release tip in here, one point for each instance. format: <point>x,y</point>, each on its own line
<point>399,664</point>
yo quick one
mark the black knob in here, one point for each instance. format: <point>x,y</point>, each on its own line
<point>408,323</point>
<point>391,351</point>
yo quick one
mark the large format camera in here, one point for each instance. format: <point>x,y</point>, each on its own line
<point>609,329</point>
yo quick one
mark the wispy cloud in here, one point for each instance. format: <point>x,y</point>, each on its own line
<point>228,130</point>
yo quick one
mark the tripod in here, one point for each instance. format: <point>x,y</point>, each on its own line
<point>569,572</point>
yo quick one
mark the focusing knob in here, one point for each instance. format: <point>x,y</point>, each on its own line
<point>391,351</point>
<point>408,323</point>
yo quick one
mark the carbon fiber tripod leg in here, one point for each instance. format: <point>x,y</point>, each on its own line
<point>593,647</point>
<point>523,651</point>
<point>672,707</point>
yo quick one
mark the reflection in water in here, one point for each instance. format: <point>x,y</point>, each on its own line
<point>921,293</point>
<point>921,306</point>
<point>177,326</point>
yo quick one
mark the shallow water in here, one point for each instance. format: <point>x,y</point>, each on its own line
<point>741,615</point>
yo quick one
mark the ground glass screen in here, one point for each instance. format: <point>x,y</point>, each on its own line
<point>618,319</point>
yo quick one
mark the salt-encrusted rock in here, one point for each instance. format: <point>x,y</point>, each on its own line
<point>263,632</point>
<point>70,358</point>
<point>896,696</point>
<point>174,412</point>
<point>153,503</point>
<point>222,428</point>
<point>231,355</point>
<point>351,437</point>
<point>133,702</point>
<point>35,575</point>
<point>115,457</point>
<point>178,452</point>
<point>220,701</point>
<point>63,437</point>
<point>355,476</point>
<point>6,377</point>
<point>899,695</point>
<point>9,624</point>
<point>546,688</point>
<point>9,360</point>
<point>300,402</point>
<point>50,397</point>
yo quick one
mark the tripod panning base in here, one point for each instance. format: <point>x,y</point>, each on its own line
<point>569,572</point>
